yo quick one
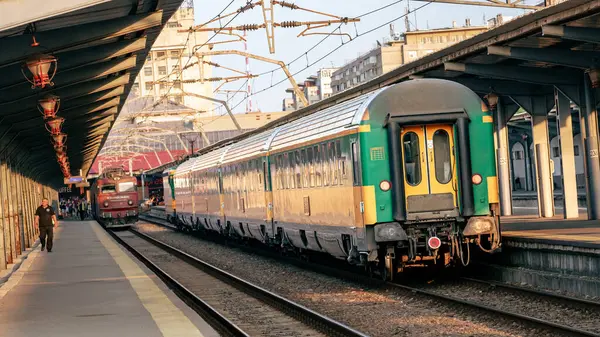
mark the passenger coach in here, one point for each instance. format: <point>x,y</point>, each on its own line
<point>398,177</point>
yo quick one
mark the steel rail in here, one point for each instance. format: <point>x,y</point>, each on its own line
<point>558,297</point>
<point>312,318</point>
<point>219,322</point>
<point>508,314</point>
<point>524,318</point>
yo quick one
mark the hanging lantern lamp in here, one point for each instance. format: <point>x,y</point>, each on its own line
<point>39,67</point>
<point>60,139</point>
<point>594,75</point>
<point>60,149</point>
<point>54,125</point>
<point>492,99</point>
<point>49,106</point>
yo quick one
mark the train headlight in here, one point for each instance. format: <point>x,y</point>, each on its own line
<point>476,179</point>
<point>385,185</point>
<point>105,204</point>
<point>130,202</point>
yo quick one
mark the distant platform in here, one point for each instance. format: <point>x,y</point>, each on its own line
<point>89,286</point>
<point>580,232</point>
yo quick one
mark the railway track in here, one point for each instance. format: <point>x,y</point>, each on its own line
<point>562,329</point>
<point>526,317</point>
<point>234,307</point>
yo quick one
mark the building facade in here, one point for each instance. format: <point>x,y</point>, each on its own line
<point>169,54</point>
<point>397,50</point>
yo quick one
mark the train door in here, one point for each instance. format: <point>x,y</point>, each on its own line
<point>429,170</point>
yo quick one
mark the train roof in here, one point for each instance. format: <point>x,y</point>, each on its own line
<point>422,98</point>
<point>210,159</point>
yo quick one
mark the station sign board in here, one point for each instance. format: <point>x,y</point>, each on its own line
<point>74,180</point>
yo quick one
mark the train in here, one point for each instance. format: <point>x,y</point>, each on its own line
<point>114,199</point>
<point>404,176</point>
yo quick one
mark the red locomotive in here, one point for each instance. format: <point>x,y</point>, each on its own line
<point>115,199</point>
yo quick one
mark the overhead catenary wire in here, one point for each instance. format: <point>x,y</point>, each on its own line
<point>330,52</point>
<point>180,73</point>
<point>324,56</point>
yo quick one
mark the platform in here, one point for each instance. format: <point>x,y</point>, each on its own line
<point>89,286</point>
<point>556,231</point>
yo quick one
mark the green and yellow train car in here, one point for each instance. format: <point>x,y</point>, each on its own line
<point>398,177</point>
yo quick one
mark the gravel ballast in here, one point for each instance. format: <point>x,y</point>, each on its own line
<point>377,312</point>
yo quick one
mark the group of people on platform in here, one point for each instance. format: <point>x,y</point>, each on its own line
<point>73,207</point>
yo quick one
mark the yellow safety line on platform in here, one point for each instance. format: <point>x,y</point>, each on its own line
<point>169,318</point>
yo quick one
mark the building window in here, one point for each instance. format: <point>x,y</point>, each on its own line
<point>176,68</point>
<point>149,86</point>
<point>160,55</point>
<point>177,84</point>
<point>178,99</point>
<point>135,88</point>
<point>149,57</point>
<point>173,24</point>
<point>174,54</point>
<point>163,86</point>
<point>555,151</point>
<point>162,70</point>
<point>147,71</point>
<point>373,59</point>
<point>576,150</point>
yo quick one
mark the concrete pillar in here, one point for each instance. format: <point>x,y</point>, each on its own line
<point>11,213</point>
<point>2,225</point>
<point>567,158</point>
<point>502,160</point>
<point>16,228</point>
<point>541,143</point>
<point>590,144</point>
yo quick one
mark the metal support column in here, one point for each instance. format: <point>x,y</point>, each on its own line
<point>541,142</point>
<point>24,230</point>
<point>567,158</point>
<point>143,190</point>
<point>502,159</point>
<point>11,212</point>
<point>591,151</point>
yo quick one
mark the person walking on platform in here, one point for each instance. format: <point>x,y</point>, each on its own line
<point>45,221</point>
<point>82,209</point>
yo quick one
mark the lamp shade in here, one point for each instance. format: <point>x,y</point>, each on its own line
<point>39,67</point>
<point>59,139</point>
<point>54,125</point>
<point>49,105</point>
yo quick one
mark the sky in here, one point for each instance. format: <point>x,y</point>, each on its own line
<point>267,95</point>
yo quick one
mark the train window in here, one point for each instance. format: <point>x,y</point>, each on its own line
<point>298,170</point>
<point>441,155</point>
<point>317,161</point>
<point>355,164</point>
<point>108,188</point>
<point>291,171</point>
<point>305,168</point>
<point>412,158</point>
<point>333,164</point>
<point>128,186</point>
<point>325,165</point>
<point>311,163</point>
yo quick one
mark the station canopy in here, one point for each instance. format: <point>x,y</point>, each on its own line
<point>99,48</point>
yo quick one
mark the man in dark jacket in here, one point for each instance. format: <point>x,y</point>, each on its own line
<point>45,220</point>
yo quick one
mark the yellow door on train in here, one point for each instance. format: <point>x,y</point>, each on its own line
<point>441,161</point>
<point>415,165</point>
<point>429,165</point>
